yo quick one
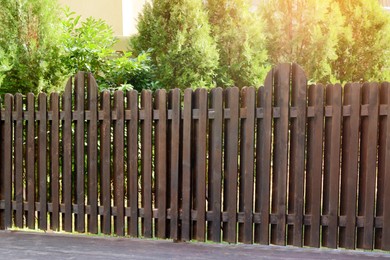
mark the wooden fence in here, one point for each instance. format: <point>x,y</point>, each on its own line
<point>285,164</point>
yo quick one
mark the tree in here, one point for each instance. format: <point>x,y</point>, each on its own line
<point>240,41</point>
<point>29,33</point>
<point>363,50</point>
<point>305,32</point>
<point>177,34</point>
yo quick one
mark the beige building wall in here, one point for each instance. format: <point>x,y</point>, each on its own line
<point>121,15</point>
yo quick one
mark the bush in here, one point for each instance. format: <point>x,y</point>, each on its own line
<point>305,32</point>
<point>29,46</point>
<point>240,41</point>
<point>177,34</point>
<point>363,50</point>
<point>88,46</point>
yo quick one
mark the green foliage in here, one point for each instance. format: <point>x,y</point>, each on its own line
<point>240,41</point>
<point>28,45</point>
<point>363,50</point>
<point>305,32</point>
<point>177,34</point>
<point>88,46</point>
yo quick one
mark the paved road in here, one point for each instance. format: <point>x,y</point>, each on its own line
<point>27,245</point>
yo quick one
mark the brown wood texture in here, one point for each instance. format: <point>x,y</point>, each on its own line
<point>92,154</point>
<point>55,162</point>
<point>67,157</point>
<point>332,166</point>
<point>232,165</point>
<point>118,161</point>
<point>200,166</point>
<point>187,166</point>
<point>18,161</point>
<point>279,180</point>
<point>314,166</point>
<point>297,155</point>
<point>349,172</point>
<point>146,164</point>
<point>79,151</point>
<point>383,193</point>
<point>368,157</point>
<point>7,138</point>
<point>215,165</point>
<point>160,101</point>
<point>263,160</point>
<point>132,162</point>
<point>30,161</point>
<point>42,160</point>
<point>247,152</point>
<point>105,163</point>
<point>174,155</point>
<point>231,131</point>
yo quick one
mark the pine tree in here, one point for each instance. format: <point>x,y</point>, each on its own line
<point>305,32</point>
<point>240,40</point>
<point>177,34</point>
<point>364,47</point>
<point>29,35</point>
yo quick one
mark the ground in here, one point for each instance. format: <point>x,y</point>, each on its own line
<point>28,245</point>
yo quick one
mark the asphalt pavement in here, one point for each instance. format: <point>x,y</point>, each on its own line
<point>53,246</point>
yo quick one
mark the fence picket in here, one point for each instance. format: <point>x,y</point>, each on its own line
<point>263,160</point>
<point>247,141</point>
<point>79,151</point>
<point>30,161</point>
<point>200,126</point>
<point>314,166</point>
<point>332,165</point>
<point>7,159</point>
<point>18,161</point>
<point>215,165</point>
<point>105,162</point>
<point>349,171</point>
<point>161,162</point>
<point>146,157</point>
<point>368,157</point>
<point>67,157</point>
<point>174,151</point>
<point>231,165</point>
<point>118,163</point>
<point>297,155</point>
<point>187,166</point>
<point>42,160</point>
<point>383,193</point>
<point>132,162</point>
<point>279,189</point>
<point>92,154</point>
<point>54,162</point>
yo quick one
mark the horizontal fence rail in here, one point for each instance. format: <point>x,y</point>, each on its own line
<point>284,164</point>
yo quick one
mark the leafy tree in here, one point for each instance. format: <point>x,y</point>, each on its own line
<point>88,46</point>
<point>364,48</point>
<point>240,41</point>
<point>303,31</point>
<point>28,45</point>
<point>177,34</point>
